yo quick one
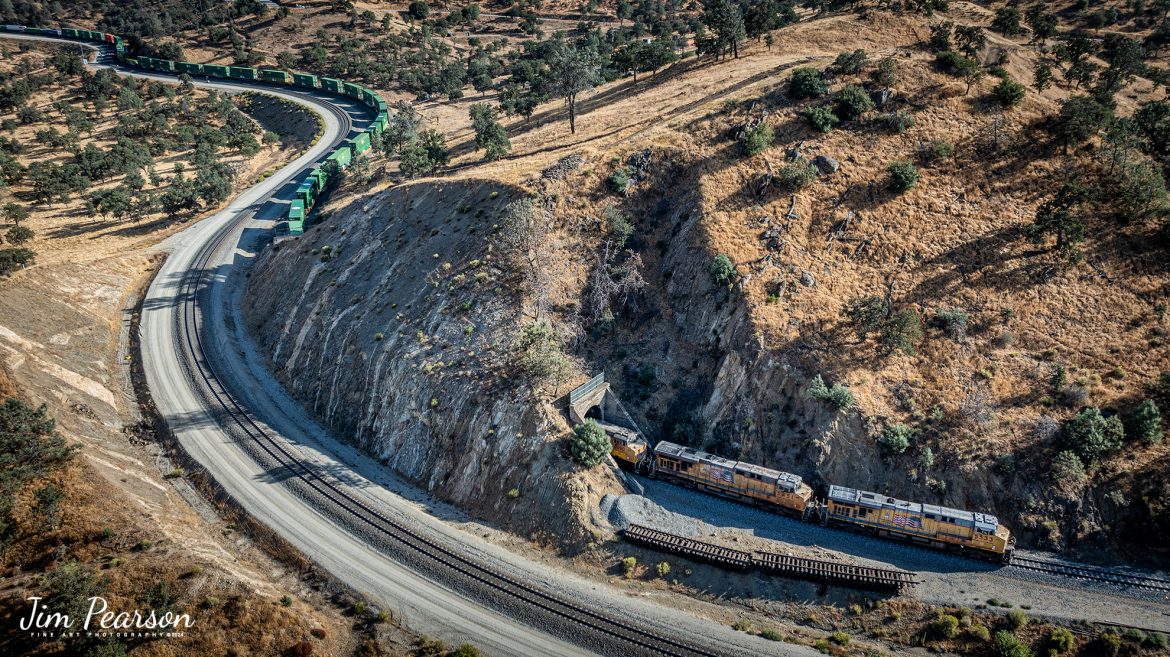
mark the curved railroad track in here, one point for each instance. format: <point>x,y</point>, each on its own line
<point>336,522</point>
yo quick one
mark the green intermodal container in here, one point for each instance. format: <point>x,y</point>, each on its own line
<point>331,85</point>
<point>361,143</point>
<point>306,194</point>
<point>354,91</point>
<point>321,177</point>
<point>242,72</point>
<point>296,227</point>
<point>305,80</point>
<point>296,209</point>
<point>215,71</point>
<point>270,75</point>
<point>69,32</point>
<point>342,156</point>
<point>167,65</point>
<point>189,68</point>
<point>379,125</point>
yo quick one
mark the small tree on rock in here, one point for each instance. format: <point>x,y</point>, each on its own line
<point>589,443</point>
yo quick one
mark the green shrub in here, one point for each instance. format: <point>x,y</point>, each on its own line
<point>772,635</point>
<point>794,176</point>
<point>866,314</point>
<point>1017,619</point>
<point>851,103</point>
<point>926,458</point>
<point>741,625</point>
<point>757,139</point>
<point>1067,467</point>
<point>663,569</point>
<point>850,63</point>
<point>897,437</point>
<point>896,122</point>
<point>839,396</point>
<point>1008,92</point>
<point>1061,640</point>
<point>619,180</point>
<point>979,633</point>
<point>18,235</point>
<point>589,443</point>
<point>1145,423</point>
<point>946,626</point>
<point>723,270</point>
<point>13,259</point>
<point>807,83</point>
<point>1009,645</point>
<point>953,322</point>
<point>628,566</point>
<point>1155,641</point>
<point>820,118</point>
<point>902,331</point>
<point>1091,435</point>
<point>938,150</point>
<point>839,638</point>
<point>903,176</point>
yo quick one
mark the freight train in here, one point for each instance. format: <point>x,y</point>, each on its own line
<point>315,183</point>
<point>976,534</point>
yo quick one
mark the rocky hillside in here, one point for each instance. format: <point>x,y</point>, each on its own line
<point>392,320</point>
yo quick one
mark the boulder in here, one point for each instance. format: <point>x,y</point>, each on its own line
<point>826,164</point>
<point>881,97</point>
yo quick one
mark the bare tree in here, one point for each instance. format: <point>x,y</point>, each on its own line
<point>615,279</point>
<point>525,234</point>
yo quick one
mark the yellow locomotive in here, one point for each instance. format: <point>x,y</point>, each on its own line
<point>928,524</point>
<point>978,534</point>
<point>780,491</point>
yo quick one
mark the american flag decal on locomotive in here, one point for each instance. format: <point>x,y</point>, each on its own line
<point>909,522</point>
<point>716,472</point>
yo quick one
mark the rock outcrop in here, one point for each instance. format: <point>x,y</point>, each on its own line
<point>390,321</point>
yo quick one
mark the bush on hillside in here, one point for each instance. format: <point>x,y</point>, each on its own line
<point>723,270</point>
<point>820,118</point>
<point>897,438</point>
<point>807,83</point>
<point>757,139</point>
<point>589,443</point>
<point>903,176</point>
<point>1091,435</point>
<point>851,103</point>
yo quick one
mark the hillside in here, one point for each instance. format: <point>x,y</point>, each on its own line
<point>729,368</point>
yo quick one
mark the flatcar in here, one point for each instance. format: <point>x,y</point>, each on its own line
<point>780,491</point>
<point>936,526</point>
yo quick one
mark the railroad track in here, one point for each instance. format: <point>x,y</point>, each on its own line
<point>1093,573</point>
<point>816,570</point>
<point>618,630</point>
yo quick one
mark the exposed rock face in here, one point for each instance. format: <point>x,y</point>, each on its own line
<point>389,322</point>
<point>726,392</point>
